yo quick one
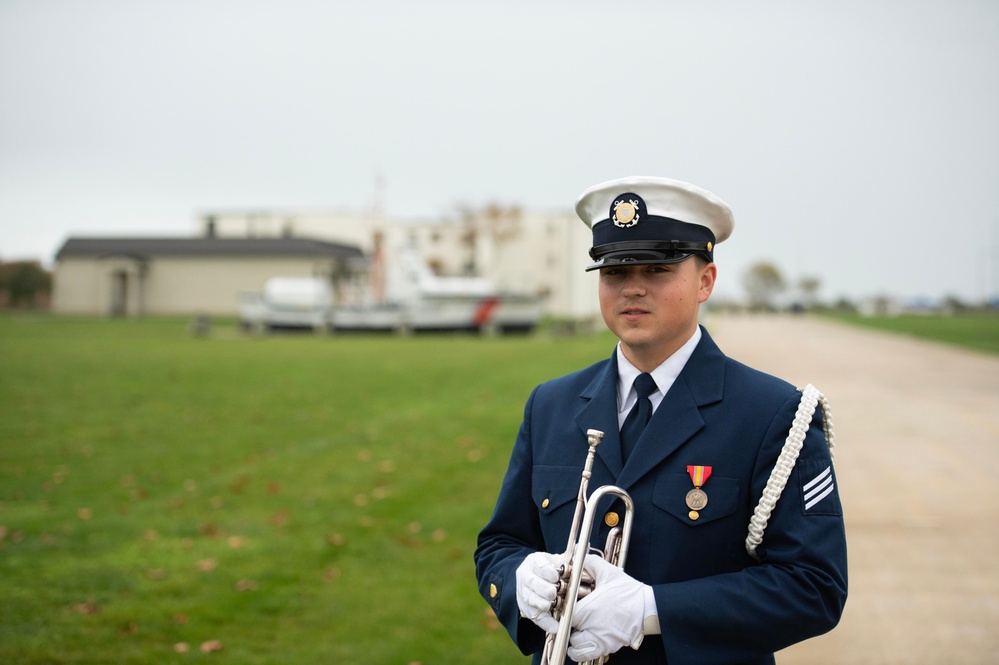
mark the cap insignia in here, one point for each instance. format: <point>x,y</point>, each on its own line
<point>625,213</point>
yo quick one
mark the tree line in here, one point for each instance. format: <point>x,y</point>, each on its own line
<point>24,285</point>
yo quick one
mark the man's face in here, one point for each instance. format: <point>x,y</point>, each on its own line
<point>653,308</point>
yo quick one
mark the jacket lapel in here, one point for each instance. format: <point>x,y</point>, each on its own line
<point>678,417</point>
<point>600,412</point>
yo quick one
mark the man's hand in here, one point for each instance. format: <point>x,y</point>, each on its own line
<point>611,616</point>
<point>536,578</point>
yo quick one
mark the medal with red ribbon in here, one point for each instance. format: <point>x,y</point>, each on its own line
<point>698,498</point>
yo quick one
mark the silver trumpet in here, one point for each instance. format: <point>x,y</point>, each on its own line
<point>571,575</point>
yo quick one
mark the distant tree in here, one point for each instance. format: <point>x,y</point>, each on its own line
<point>953,303</point>
<point>763,283</point>
<point>24,284</point>
<point>845,305</point>
<point>809,287</point>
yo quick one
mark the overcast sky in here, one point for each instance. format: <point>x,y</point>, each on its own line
<point>856,141</point>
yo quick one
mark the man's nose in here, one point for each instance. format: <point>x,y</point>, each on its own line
<point>634,284</point>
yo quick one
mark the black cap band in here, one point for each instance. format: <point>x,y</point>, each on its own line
<point>645,244</point>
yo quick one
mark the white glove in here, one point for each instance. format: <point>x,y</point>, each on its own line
<point>611,616</point>
<point>536,578</point>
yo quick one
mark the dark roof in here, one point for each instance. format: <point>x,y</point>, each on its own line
<point>143,248</point>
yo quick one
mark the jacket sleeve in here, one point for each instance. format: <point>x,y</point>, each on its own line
<point>798,588</point>
<point>508,538</point>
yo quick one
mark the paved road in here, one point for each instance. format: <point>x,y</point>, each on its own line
<point>917,456</point>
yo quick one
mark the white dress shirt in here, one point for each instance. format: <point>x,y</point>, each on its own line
<point>664,376</point>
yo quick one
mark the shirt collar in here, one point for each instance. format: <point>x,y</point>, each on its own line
<point>664,375</point>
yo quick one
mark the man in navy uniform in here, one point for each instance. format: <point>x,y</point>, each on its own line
<point>689,592</point>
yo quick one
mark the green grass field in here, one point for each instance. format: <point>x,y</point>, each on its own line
<point>285,499</point>
<point>289,499</point>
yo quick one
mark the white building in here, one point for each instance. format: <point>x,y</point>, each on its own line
<point>534,253</point>
<point>184,276</point>
<point>519,251</point>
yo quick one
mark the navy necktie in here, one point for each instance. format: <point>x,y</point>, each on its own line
<point>639,416</point>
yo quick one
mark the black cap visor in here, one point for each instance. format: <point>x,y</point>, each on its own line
<point>646,252</point>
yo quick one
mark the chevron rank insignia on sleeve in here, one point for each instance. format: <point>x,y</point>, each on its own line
<point>819,495</point>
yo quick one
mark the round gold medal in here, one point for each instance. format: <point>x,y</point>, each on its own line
<point>697,499</point>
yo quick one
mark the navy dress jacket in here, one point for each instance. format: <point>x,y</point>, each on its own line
<point>716,604</point>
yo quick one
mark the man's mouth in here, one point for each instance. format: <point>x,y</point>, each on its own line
<point>633,312</point>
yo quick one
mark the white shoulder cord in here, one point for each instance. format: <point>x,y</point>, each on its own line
<point>810,398</point>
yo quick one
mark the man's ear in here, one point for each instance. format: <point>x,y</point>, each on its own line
<point>708,275</point>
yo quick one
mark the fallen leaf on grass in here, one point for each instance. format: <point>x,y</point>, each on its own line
<point>84,513</point>
<point>181,647</point>
<point>280,518</point>
<point>239,484</point>
<point>246,585</point>
<point>205,565</point>
<point>60,475</point>
<point>489,620</point>
<point>236,542</point>
<point>210,646</point>
<point>89,607</point>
